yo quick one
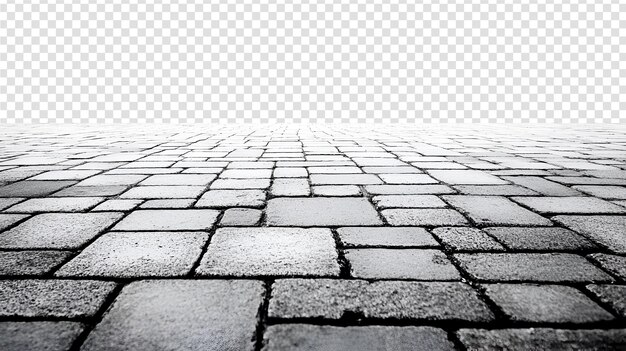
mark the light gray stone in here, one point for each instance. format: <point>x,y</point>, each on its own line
<point>423,217</point>
<point>185,219</point>
<point>232,198</point>
<point>386,237</point>
<point>401,264</point>
<point>569,204</point>
<point>605,230</point>
<point>329,211</point>
<point>466,239</point>
<point>495,210</point>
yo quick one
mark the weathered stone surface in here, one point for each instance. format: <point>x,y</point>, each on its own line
<point>366,338</point>
<point>332,299</point>
<point>466,239</point>
<point>407,201</point>
<point>179,179</point>
<point>543,339</point>
<point>389,189</point>
<point>38,336</point>
<point>9,201</point>
<point>57,230</point>
<point>248,183</point>
<point>612,295</point>
<point>344,179</point>
<point>401,264</point>
<point>423,217</point>
<point>164,192</point>
<point>167,203</point>
<point>531,267</point>
<point>232,198</point>
<point>7,220</point>
<point>569,204</point>
<point>180,315</point>
<point>33,188</point>
<point>30,262</point>
<point>290,187</point>
<point>56,204</point>
<point>543,186</point>
<point>385,236</point>
<point>336,190</point>
<point>604,191</point>
<point>52,298</point>
<point>508,190</point>
<point>612,263</point>
<point>605,230</point>
<point>408,178</point>
<point>73,174</point>
<point>540,238</point>
<point>270,252</point>
<point>112,179</point>
<point>465,176</point>
<point>140,254</point>
<point>188,219</point>
<point>495,210</point>
<point>117,205</point>
<point>241,217</point>
<point>90,191</point>
<point>320,212</point>
<point>546,303</point>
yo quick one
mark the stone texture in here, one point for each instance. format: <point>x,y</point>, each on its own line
<point>248,183</point>
<point>138,254</point>
<point>423,217</point>
<point>407,201</point>
<point>344,179</point>
<point>38,336</point>
<point>495,210</point>
<point>400,264</point>
<point>56,204</point>
<point>52,298</point>
<point>7,220</point>
<point>167,203</point>
<point>30,262</point>
<point>605,230</point>
<point>385,237</point>
<point>336,190</point>
<point>569,204</point>
<point>112,179</point>
<point>540,238</point>
<point>408,178</point>
<point>366,338</point>
<point>290,187</point>
<point>270,252</point>
<point>57,230</point>
<point>332,299</point>
<point>530,267</point>
<point>179,179</point>
<point>237,217</point>
<point>389,189</point>
<point>188,219</point>
<point>465,176</point>
<point>117,205</point>
<point>466,239</point>
<point>543,186</point>
<point>612,263</point>
<point>232,198</point>
<point>320,212</point>
<point>180,315</point>
<point>611,295</point>
<point>164,192</point>
<point>546,303</point>
<point>33,188</point>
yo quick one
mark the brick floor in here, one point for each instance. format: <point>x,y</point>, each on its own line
<point>312,237</point>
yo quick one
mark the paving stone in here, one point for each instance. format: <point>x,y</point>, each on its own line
<point>366,162</point>
<point>328,211</point>
<point>143,171</point>
<point>465,176</point>
<point>32,188</point>
<point>336,190</point>
<point>7,220</point>
<point>612,263</point>
<point>52,298</point>
<point>89,191</point>
<point>38,336</point>
<point>290,187</point>
<point>246,173</point>
<point>437,165</point>
<point>344,179</point>
<point>611,295</point>
<point>408,189</point>
<point>407,179</point>
<point>386,237</point>
<point>112,179</point>
<point>423,217</point>
<point>569,204</point>
<point>179,179</point>
<point>605,230</point>
<point>30,262</point>
<point>400,264</point>
<point>137,254</point>
<point>545,239</point>
<point>466,239</point>
<point>118,205</point>
<point>290,172</point>
<point>543,339</point>
<point>320,337</point>
<point>495,210</point>
<point>252,183</point>
<point>604,191</point>
<point>164,192</point>
<point>407,201</point>
<point>337,170</point>
<point>543,186</point>
<point>554,267</point>
<point>546,303</point>
<point>168,203</point>
<point>65,175</point>
<point>232,198</point>
<point>57,230</point>
<point>508,190</point>
<point>8,202</point>
<point>332,299</point>
<point>56,204</point>
<point>180,315</point>
<point>586,180</point>
<point>187,219</point>
<point>238,217</point>
<point>270,251</point>
<point>392,170</point>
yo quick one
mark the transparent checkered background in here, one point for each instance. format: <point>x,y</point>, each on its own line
<point>327,61</point>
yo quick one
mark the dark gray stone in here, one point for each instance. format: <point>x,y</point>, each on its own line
<point>612,263</point>
<point>33,188</point>
<point>386,237</point>
<point>495,210</point>
<point>38,336</point>
<point>30,262</point>
<point>605,230</point>
<point>612,295</point>
<point>466,239</point>
<point>540,238</point>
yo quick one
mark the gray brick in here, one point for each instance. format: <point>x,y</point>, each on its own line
<point>232,198</point>
<point>180,315</point>
<point>543,186</point>
<point>38,336</point>
<point>8,202</point>
<point>569,204</point>
<point>112,179</point>
<point>466,239</point>
<point>541,239</point>
<point>251,183</point>
<point>612,295</point>
<point>246,173</point>
<point>401,264</point>
<point>389,189</point>
<point>7,220</point>
<point>604,191</point>
<point>118,205</point>
<point>33,188</point>
<point>407,201</point>
<point>66,175</point>
<point>290,187</point>
<point>30,262</point>
<point>344,179</point>
<point>465,176</point>
<point>612,263</point>
<point>269,252</point>
<point>605,230</point>
<point>52,298</point>
<point>167,203</point>
<point>327,211</point>
<point>88,191</point>
<point>179,179</point>
<point>332,299</point>
<point>423,217</point>
<point>408,178</point>
<point>495,210</point>
<point>241,217</point>
<point>56,204</point>
<point>186,219</point>
<point>507,190</point>
<point>386,237</point>
<point>290,172</point>
<point>336,190</point>
<point>366,338</point>
<point>164,192</point>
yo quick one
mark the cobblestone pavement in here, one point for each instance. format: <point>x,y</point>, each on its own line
<point>312,238</point>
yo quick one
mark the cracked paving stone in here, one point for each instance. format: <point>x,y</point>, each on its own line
<point>232,198</point>
<point>423,217</point>
<point>53,298</point>
<point>540,238</point>
<point>466,177</point>
<point>237,217</point>
<point>31,262</point>
<point>401,264</point>
<point>38,336</point>
<point>33,188</point>
<point>183,219</point>
<point>290,187</point>
<point>612,263</point>
<point>407,201</point>
<point>555,267</point>
<point>164,192</point>
<point>605,230</point>
<point>137,254</point>
<point>543,339</point>
<point>180,315</point>
<point>269,252</point>
<point>362,338</point>
<point>386,237</point>
<point>612,295</point>
<point>466,239</point>
<point>321,212</point>
<point>336,190</point>
<point>7,220</point>
<point>495,210</point>
<point>569,204</point>
<point>546,303</point>
<point>334,299</point>
<point>56,204</point>
<point>57,230</point>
